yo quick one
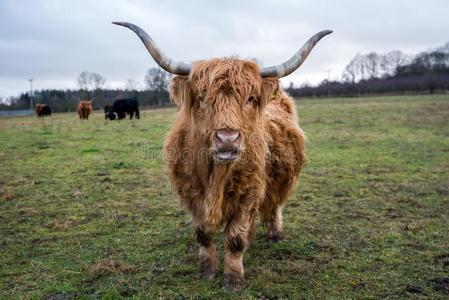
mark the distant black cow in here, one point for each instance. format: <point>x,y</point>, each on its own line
<point>121,107</point>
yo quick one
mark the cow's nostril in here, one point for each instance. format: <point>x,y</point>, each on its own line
<point>227,136</point>
<point>227,144</point>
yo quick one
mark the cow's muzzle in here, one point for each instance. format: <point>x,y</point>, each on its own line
<point>226,143</point>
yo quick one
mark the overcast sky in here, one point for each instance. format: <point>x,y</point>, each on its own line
<point>53,41</point>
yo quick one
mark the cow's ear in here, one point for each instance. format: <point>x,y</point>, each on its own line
<point>181,91</point>
<point>270,89</point>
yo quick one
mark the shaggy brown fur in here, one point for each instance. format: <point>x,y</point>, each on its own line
<point>84,109</point>
<point>229,93</point>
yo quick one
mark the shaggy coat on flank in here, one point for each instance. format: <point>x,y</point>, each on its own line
<point>84,109</point>
<point>229,94</point>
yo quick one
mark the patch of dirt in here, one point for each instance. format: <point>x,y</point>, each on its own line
<point>110,266</point>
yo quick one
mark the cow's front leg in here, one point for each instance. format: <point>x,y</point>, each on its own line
<point>208,259</point>
<point>237,235</point>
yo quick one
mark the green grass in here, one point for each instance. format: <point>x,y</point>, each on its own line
<point>86,209</point>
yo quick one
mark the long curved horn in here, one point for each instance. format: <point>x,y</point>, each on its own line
<point>293,63</point>
<point>166,63</point>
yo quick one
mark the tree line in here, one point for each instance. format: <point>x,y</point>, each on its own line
<point>92,87</point>
<point>366,74</point>
<point>389,73</point>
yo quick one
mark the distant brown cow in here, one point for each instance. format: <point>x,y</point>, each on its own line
<point>42,110</point>
<point>235,150</point>
<point>39,107</point>
<point>84,109</point>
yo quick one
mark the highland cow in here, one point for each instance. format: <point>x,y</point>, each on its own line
<point>84,109</point>
<point>234,152</point>
<point>121,107</point>
<point>42,110</point>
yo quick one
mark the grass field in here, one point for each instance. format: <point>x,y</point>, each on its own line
<point>86,210</point>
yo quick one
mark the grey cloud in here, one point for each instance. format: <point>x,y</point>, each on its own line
<point>53,41</point>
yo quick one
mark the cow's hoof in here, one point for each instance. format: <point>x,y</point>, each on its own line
<point>275,237</point>
<point>207,271</point>
<point>232,283</point>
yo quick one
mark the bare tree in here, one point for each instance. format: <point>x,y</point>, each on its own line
<point>131,85</point>
<point>373,65</point>
<point>90,81</point>
<point>355,70</point>
<point>390,61</point>
<point>98,81</point>
<point>157,80</point>
<point>371,61</point>
<point>350,72</point>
